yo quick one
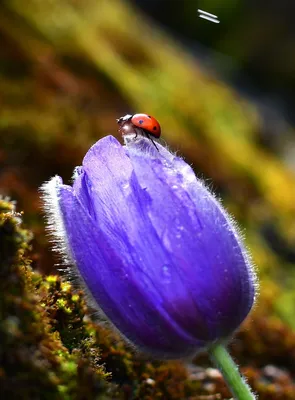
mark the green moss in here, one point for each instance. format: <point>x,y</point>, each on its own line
<point>34,361</point>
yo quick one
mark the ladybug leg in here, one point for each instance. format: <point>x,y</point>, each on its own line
<point>136,133</point>
<point>154,144</point>
<point>148,136</point>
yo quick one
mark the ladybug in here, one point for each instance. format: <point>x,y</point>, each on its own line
<point>140,123</point>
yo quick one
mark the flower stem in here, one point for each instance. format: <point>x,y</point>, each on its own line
<point>237,385</point>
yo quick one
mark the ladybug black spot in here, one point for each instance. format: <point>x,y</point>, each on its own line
<point>154,128</point>
<point>141,121</point>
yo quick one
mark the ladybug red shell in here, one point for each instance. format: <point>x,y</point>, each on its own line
<point>147,123</point>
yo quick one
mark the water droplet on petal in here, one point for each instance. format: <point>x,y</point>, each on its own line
<point>166,273</point>
<point>166,240</point>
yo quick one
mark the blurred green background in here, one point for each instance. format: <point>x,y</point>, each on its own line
<point>223,93</point>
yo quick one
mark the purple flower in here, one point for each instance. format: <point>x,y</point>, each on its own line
<point>155,249</point>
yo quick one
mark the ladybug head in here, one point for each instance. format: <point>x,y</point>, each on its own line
<point>126,118</point>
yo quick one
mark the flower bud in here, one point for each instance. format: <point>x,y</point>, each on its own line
<point>157,252</point>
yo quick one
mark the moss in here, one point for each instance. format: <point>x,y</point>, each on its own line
<point>34,361</point>
<point>265,340</point>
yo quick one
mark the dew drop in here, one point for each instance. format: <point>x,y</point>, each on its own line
<point>125,275</point>
<point>166,240</point>
<point>166,273</point>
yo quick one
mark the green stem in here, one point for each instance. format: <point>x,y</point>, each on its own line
<point>237,385</point>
